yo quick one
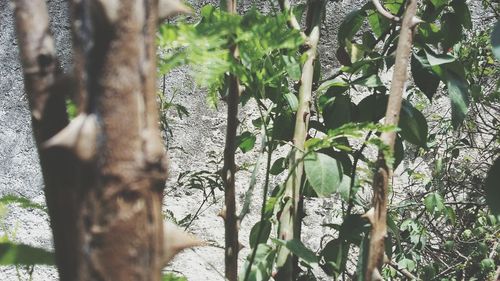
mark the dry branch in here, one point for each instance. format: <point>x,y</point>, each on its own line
<point>383,172</point>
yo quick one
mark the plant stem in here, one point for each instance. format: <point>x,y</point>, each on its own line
<point>229,169</point>
<point>383,171</point>
<point>289,220</point>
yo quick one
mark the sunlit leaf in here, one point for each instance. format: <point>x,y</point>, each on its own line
<point>262,265</point>
<point>323,173</point>
<point>434,203</point>
<point>245,141</point>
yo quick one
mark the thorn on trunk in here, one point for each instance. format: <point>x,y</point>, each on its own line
<point>222,213</point>
<point>171,8</point>
<point>370,215</point>
<point>79,137</point>
<point>176,240</point>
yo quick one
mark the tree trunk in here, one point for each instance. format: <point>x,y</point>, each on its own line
<point>232,245</point>
<point>105,171</point>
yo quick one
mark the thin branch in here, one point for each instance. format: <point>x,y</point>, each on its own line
<point>403,271</point>
<point>384,12</point>
<point>289,220</point>
<point>383,172</point>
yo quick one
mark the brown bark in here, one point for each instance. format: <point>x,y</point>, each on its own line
<point>383,172</point>
<point>105,171</point>
<point>289,221</point>
<point>232,245</point>
<point>45,86</point>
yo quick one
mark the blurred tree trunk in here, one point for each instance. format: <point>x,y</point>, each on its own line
<point>105,171</point>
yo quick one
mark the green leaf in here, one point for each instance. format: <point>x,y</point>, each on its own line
<point>430,33</point>
<point>434,203</point>
<point>345,188</point>
<point>495,40</point>
<point>283,126</point>
<point>463,13</point>
<point>292,67</point>
<point>335,256</point>
<point>378,23</point>
<point>372,108</point>
<point>278,166</point>
<point>351,24</point>
<point>492,188</point>
<point>299,249</point>
<point>245,141</point>
<point>408,264</point>
<point>362,258</point>
<point>439,3</point>
<point>458,92</point>
<point>334,83</point>
<point>262,265</point>
<point>323,173</point>
<point>371,81</point>
<point>172,277</point>
<point>413,125</point>
<point>353,227</point>
<point>399,151</point>
<point>425,79</point>
<point>20,254</point>
<point>22,201</point>
<point>265,225</point>
<point>338,112</point>
<point>451,30</point>
<point>437,59</point>
<point>292,101</point>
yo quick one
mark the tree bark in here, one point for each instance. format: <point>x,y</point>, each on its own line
<point>45,86</point>
<point>232,245</point>
<point>289,221</point>
<point>383,171</point>
<point>105,171</point>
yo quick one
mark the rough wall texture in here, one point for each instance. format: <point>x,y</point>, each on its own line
<point>195,138</point>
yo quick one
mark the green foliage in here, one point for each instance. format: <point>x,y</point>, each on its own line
<point>22,201</point>
<point>262,264</point>
<point>299,249</point>
<point>495,40</point>
<point>493,188</point>
<point>434,214</point>
<point>413,125</point>
<point>20,254</point>
<point>267,51</point>
<point>323,173</point>
<point>172,277</point>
